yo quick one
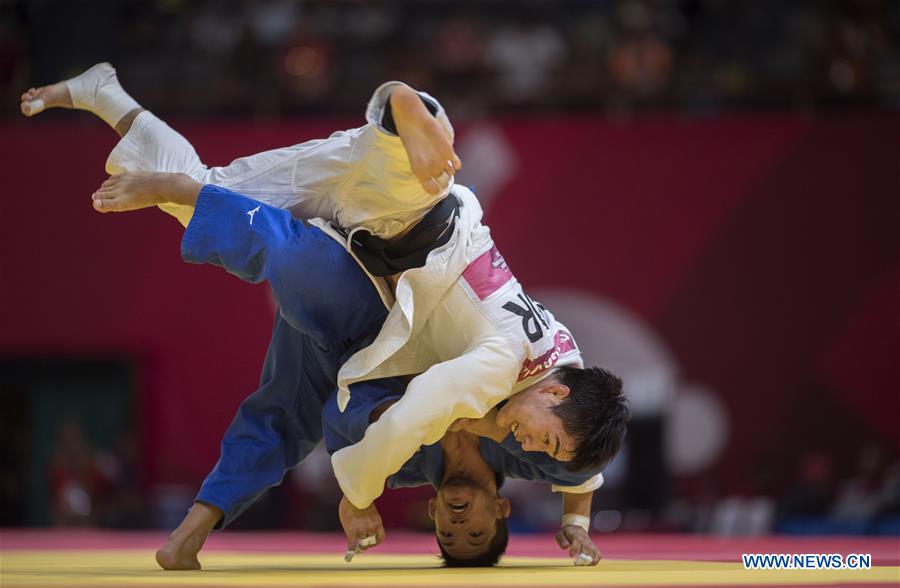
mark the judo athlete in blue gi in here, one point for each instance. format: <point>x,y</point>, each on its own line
<point>465,470</point>
<point>328,309</point>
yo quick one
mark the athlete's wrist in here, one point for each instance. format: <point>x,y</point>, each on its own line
<point>577,520</point>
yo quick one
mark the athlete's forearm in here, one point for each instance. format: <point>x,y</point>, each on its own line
<point>486,426</point>
<point>577,504</point>
<point>433,401</point>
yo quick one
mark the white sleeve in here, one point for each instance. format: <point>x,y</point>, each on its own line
<point>467,386</point>
<point>583,488</point>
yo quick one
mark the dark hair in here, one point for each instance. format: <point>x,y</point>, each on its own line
<point>496,548</point>
<point>595,414</point>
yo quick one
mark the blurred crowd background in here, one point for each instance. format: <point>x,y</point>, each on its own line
<point>725,177</point>
<point>270,58</point>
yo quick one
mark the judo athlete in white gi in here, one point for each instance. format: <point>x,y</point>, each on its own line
<point>461,320</point>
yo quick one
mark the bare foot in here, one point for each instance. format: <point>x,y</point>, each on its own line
<point>127,191</point>
<point>427,143</point>
<point>36,100</point>
<point>185,542</point>
<point>136,190</point>
<point>179,555</point>
<point>96,90</point>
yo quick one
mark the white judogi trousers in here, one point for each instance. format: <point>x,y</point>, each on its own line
<point>358,178</point>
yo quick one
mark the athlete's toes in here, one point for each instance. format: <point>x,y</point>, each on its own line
<point>27,97</point>
<point>431,186</point>
<point>34,101</point>
<point>105,203</point>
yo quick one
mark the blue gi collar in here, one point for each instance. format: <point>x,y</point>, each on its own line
<point>432,464</point>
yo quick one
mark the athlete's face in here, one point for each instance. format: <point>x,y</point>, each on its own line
<point>529,416</point>
<point>465,517</point>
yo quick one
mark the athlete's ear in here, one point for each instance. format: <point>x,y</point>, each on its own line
<point>431,509</point>
<point>503,507</point>
<point>557,389</point>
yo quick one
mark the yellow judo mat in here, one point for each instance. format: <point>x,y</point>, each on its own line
<point>82,558</point>
<point>76,568</point>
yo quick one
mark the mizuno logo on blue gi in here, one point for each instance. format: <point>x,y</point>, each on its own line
<point>251,213</point>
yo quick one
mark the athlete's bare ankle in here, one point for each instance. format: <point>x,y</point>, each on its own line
<point>124,125</point>
<point>200,521</point>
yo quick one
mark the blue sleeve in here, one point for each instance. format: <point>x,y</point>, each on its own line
<point>319,287</point>
<point>343,429</point>
<point>538,466</point>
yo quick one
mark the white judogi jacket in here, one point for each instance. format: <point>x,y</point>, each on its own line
<point>464,320</point>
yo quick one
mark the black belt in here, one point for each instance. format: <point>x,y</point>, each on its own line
<point>383,258</point>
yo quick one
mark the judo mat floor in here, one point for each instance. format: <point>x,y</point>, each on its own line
<point>102,558</point>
